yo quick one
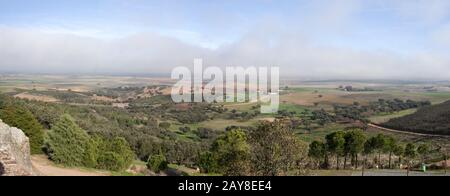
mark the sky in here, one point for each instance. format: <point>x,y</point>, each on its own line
<point>307,39</point>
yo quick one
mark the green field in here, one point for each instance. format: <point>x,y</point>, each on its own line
<point>384,117</point>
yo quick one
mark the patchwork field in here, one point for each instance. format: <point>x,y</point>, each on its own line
<point>141,110</point>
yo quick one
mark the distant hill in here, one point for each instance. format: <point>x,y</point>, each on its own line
<point>429,120</point>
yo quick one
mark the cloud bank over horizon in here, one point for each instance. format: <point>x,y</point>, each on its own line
<point>349,39</point>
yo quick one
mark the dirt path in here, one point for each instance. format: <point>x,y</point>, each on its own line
<point>44,167</point>
<point>406,132</point>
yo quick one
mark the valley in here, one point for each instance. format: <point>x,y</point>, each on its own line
<point>140,110</point>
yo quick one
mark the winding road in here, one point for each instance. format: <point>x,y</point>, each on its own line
<point>406,132</point>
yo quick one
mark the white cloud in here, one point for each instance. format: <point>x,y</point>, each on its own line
<point>25,51</point>
<point>296,43</point>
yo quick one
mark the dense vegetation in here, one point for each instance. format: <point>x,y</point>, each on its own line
<point>18,116</point>
<point>139,126</point>
<point>69,145</point>
<point>157,163</point>
<point>430,120</point>
<point>361,112</point>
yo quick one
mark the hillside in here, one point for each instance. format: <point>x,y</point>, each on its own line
<point>429,120</point>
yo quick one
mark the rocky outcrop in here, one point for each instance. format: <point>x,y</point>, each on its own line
<point>14,152</point>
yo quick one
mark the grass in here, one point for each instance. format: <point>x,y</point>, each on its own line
<point>240,107</point>
<point>301,90</point>
<point>124,173</point>
<point>384,117</point>
<point>438,97</point>
<point>292,108</point>
<point>331,172</point>
<point>190,136</point>
<point>222,124</point>
<point>319,134</point>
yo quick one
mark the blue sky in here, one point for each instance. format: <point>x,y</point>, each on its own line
<point>399,31</point>
<point>212,23</point>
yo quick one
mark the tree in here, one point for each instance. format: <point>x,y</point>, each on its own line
<point>68,144</point>
<point>207,162</point>
<point>317,151</point>
<point>369,148</point>
<point>423,151</point>
<point>399,152</point>
<point>232,153</point>
<point>157,163</point>
<point>276,150</point>
<point>180,151</point>
<point>18,116</point>
<point>410,154</point>
<point>445,162</point>
<point>444,152</point>
<point>389,147</point>
<point>354,144</point>
<point>379,143</point>
<point>335,143</point>
<point>146,147</point>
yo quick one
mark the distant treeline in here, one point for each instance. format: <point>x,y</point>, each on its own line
<point>361,112</point>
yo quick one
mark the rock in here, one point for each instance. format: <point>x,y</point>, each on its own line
<point>14,152</point>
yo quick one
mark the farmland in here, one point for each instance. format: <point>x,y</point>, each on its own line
<point>140,110</point>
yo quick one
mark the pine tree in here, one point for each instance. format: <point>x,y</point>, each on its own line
<point>69,145</point>
<point>232,153</point>
<point>335,145</point>
<point>317,151</point>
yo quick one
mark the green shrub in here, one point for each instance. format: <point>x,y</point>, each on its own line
<point>69,145</point>
<point>18,116</point>
<point>157,163</point>
<point>111,161</point>
<point>115,155</point>
<point>207,163</point>
<point>91,154</point>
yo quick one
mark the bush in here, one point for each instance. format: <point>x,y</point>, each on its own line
<point>157,163</point>
<point>164,125</point>
<point>69,145</point>
<point>111,161</point>
<point>115,155</point>
<point>18,116</point>
<point>205,133</point>
<point>232,153</point>
<point>207,163</point>
<point>185,129</point>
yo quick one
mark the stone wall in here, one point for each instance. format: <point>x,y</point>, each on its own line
<point>14,152</point>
